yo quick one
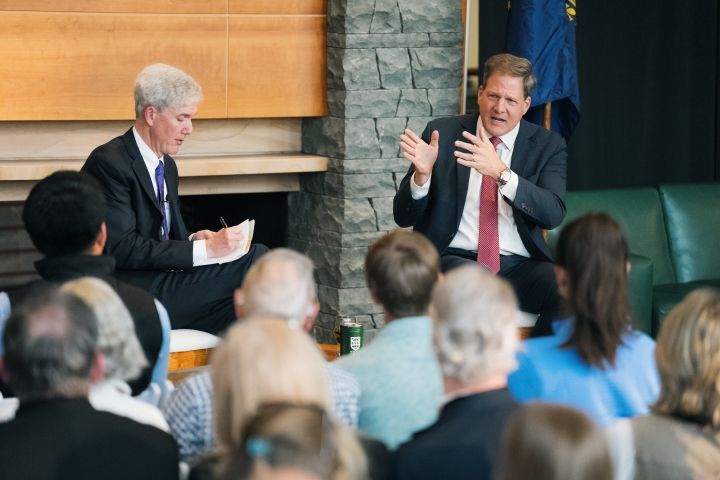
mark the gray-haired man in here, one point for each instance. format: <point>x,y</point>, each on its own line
<point>279,284</point>
<point>145,230</point>
<point>50,359</point>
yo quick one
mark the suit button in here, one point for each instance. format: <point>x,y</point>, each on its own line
<point>452,235</point>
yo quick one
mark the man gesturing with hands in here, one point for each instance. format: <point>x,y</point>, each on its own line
<point>145,230</point>
<point>482,188</point>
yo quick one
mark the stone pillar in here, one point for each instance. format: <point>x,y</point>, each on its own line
<point>392,64</point>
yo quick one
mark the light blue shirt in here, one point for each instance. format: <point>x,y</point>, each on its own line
<point>400,381</point>
<point>552,374</point>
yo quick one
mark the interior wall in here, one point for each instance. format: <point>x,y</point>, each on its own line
<point>649,91</point>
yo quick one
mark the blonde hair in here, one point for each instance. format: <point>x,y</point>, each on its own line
<point>117,341</point>
<point>263,360</point>
<point>475,318</point>
<point>688,360</point>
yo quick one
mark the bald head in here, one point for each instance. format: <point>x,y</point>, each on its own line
<point>49,346</point>
<point>279,284</point>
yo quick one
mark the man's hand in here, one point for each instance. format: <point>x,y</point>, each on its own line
<point>203,235</point>
<point>482,156</point>
<point>224,242</point>
<point>421,154</point>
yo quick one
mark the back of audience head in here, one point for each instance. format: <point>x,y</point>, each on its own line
<point>117,341</point>
<point>64,214</point>
<point>552,442</point>
<point>279,284</point>
<point>475,317</point>
<point>401,269</point>
<point>688,360</point>
<point>50,344</point>
<point>287,441</point>
<point>592,262</point>
<point>263,360</point>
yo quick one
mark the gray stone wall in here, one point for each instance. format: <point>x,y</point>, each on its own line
<point>392,64</point>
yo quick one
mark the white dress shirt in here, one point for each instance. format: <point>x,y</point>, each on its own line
<point>114,396</point>
<point>468,230</point>
<point>152,162</point>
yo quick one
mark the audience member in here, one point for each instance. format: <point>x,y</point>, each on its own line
<point>65,218</point>
<point>50,359</point>
<point>279,284</point>
<point>400,380</point>
<point>681,438</point>
<point>263,360</point>
<point>124,358</point>
<point>285,441</point>
<point>595,362</point>
<point>475,320</point>
<point>552,442</point>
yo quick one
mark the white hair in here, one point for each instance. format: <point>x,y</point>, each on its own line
<point>117,341</point>
<point>280,284</point>
<point>475,320</point>
<point>163,86</point>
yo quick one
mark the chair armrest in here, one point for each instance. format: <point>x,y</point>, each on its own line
<point>640,291</point>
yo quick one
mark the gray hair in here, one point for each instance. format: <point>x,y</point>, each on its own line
<point>475,320</point>
<point>117,341</point>
<point>280,284</point>
<point>50,342</point>
<point>163,86</point>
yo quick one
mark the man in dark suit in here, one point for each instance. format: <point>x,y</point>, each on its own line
<point>146,232</point>
<point>65,218</point>
<point>483,187</point>
<point>50,359</point>
<point>474,318</point>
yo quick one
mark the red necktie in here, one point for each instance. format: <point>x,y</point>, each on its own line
<point>488,252</point>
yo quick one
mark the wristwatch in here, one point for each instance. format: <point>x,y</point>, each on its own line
<point>504,177</point>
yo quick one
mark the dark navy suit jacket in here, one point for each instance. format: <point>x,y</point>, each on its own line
<point>540,161</point>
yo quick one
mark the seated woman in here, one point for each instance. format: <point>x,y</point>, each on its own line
<point>552,442</point>
<point>681,438</point>
<point>267,360</point>
<point>121,349</point>
<point>286,441</point>
<point>595,361</point>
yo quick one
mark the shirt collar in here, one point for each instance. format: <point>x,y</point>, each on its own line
<point>508,139</point>
<point>148,155</point>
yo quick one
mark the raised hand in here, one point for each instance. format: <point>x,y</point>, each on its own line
<point>482,156</point>
<point>421,154</point>
<point>224,242</point>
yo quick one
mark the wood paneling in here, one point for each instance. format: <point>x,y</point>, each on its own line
<point>277,66</point>
<point>278,7</point>
<point>117,6</point>
<point>72,67</point>
<point>189,359</point>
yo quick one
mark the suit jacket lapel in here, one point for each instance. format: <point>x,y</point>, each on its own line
<point>463,172</point>
<point>139,167</point>
<point>522,149</point>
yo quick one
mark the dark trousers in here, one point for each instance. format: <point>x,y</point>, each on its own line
<point>203,300</point>
<point>533,281</point>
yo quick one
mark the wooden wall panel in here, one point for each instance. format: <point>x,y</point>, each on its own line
<point>282,7</point>
<point>117,6</point>
<point>72,67</point>
<point>276,66</point>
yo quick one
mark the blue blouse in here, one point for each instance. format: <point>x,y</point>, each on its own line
<point>551,374</point>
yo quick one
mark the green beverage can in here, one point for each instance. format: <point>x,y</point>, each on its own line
<point>351,338</point>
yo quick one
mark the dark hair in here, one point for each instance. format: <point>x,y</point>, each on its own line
<point>506,64</point>
<point>401,269</point>
<point>49,342</point>
<point>64,212</point>
<point>594,252</point>
<point>552,442</point>
<point>286,435</point>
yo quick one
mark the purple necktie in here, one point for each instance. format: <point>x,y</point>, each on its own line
<point>160,180</point>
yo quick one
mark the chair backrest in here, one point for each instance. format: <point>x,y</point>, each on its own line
<point>639,213</point>
<point>692,215</point>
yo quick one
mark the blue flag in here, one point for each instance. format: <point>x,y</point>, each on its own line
<point>543,31</point>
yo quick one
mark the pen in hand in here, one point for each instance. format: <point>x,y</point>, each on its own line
<point>222,221</point>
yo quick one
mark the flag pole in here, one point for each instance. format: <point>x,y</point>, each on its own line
<point>547,115</point>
